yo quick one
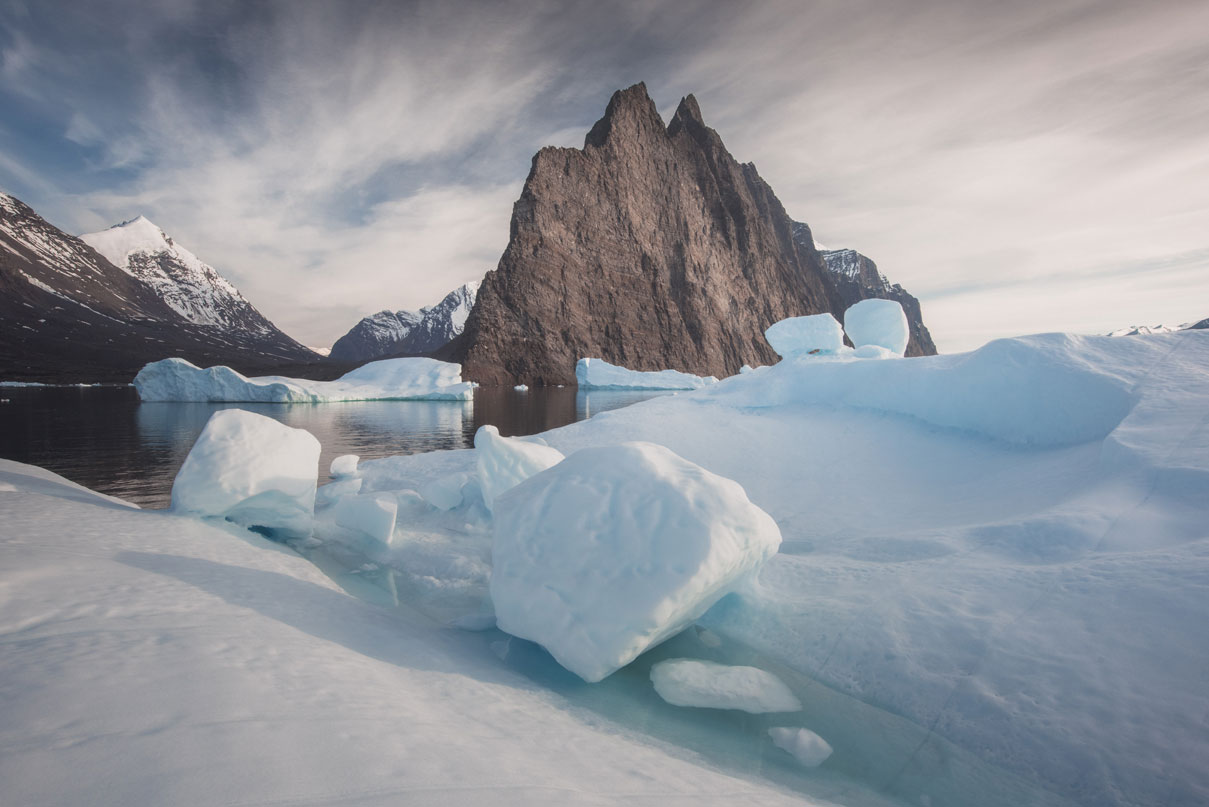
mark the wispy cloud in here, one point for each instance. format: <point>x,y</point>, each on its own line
<point>337,158</point>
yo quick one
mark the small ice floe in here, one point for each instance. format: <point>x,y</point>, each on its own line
<point>344,465</point>
<point>808,748</point>
<point>689,682</point>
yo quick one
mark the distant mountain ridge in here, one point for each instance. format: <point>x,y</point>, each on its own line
<point>390,333</point>
<point>68,313</point>
<point>1142,330</point>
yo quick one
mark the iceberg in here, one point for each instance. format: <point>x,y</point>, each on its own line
<point>252,470</point>
<point>817,334</point>
<point>617,548</point>
<point>689,682</point>
<point>344,465</point>
<point>599,374</point>
<point>410,379</point>
<point>878,323</point>
<point>504,462</point>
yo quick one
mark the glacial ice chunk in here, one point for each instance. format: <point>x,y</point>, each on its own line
<point>344,465</point>
<point>504,462</point>
<point>389,379</point>
<point>802,336</point>
<point>806,747</point>
<point>689,682</point>
<point>599,374</point>
<point>617,548</point>
<point>371,514</point>
<point>878,322</point>
<point>445,492</point>
<point>251,470</point>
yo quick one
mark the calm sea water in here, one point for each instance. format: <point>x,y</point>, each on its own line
<point>106,439</point>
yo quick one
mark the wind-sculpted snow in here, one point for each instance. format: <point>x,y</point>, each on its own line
<point>391,379</point>
<point>599,374</point>
<point>1042,391</point>
<point>615,549</point>
<point>252,470</point>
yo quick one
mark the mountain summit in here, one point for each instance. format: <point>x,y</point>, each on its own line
<point>652,248</point>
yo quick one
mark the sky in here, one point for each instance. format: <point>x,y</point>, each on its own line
<point>1019,166</point>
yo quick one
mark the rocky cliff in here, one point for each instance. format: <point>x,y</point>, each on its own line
<point>651,247</point>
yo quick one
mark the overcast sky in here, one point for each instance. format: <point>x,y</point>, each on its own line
<point>1020,167</point>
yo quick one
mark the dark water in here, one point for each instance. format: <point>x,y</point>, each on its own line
<point>106,439</point>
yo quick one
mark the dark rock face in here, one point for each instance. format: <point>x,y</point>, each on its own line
<point>68,314</point>
<point>651,248</point>
<point>394,333</point>
<point>857,278</point>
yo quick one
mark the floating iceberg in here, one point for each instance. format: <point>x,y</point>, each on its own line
<point>806,747</point>
<point>802,336</point>
<point>505,462</point>
<point>689,682</point>
<point>251,470</point>
<point>617,548</point>
<point>599,374</point>
<point>410,379</point>
<point>879,323</point>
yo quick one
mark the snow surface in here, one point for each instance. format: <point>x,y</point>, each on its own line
<point>505,462</point>
<point>801,336</point>
<point>878,323</point>
<point>599,374</point>
<point>252,470</point>
<point>150,659</point>
<point>617,548</point>
<point>1006,550</point>
<point>806,747</point>
<point>386,380</point>
<point>690,682</point>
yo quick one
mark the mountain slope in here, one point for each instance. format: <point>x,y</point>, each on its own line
<point>651,248</point>
<point>390,333</point>
<point>857,278</point>
<point>68,314</point>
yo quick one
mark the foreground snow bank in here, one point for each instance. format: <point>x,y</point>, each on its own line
<point>617,548</point>
<point>599,374</point>
<point>252,470</point>
<point>390,379</point>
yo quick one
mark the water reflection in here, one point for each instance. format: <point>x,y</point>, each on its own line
<point>105,439</point>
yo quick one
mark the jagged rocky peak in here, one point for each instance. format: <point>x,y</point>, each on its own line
<point>651,248</point>
<point>391,333</point>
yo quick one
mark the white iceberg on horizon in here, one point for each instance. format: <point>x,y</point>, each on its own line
<point>599,374</point>
<point>410,379</point>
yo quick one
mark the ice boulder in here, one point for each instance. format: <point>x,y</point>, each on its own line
<point>689,682</point>
<point>371,514</point>
<point>505,462</point>
<point>251,470</point>
<point>445,492</point>
<point>878,322</point>
<point>806,747</point>
<point>617,548</point>
<point>802,336</point>
<point>344,465</point>
<point>599,374</point>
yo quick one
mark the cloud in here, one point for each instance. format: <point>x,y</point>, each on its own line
<point>338,158</point>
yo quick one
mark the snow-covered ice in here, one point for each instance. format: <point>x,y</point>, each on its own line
<point>521,388</point>
<point>707,684</point>
<point>617,548</point>
<point>879,323</point>
<point>599,374</point>
<point>504,462</point>
<point>386,380</point>
<point>802,336</point>
<point>344,465</point>
<point>252,470</point>
<point>806,747</point>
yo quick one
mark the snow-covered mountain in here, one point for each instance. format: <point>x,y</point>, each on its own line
<point>1143,330</point>
<point>67,312</point>
<point>390,333</point>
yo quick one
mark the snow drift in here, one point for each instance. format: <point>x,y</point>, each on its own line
<point>390,379</point>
